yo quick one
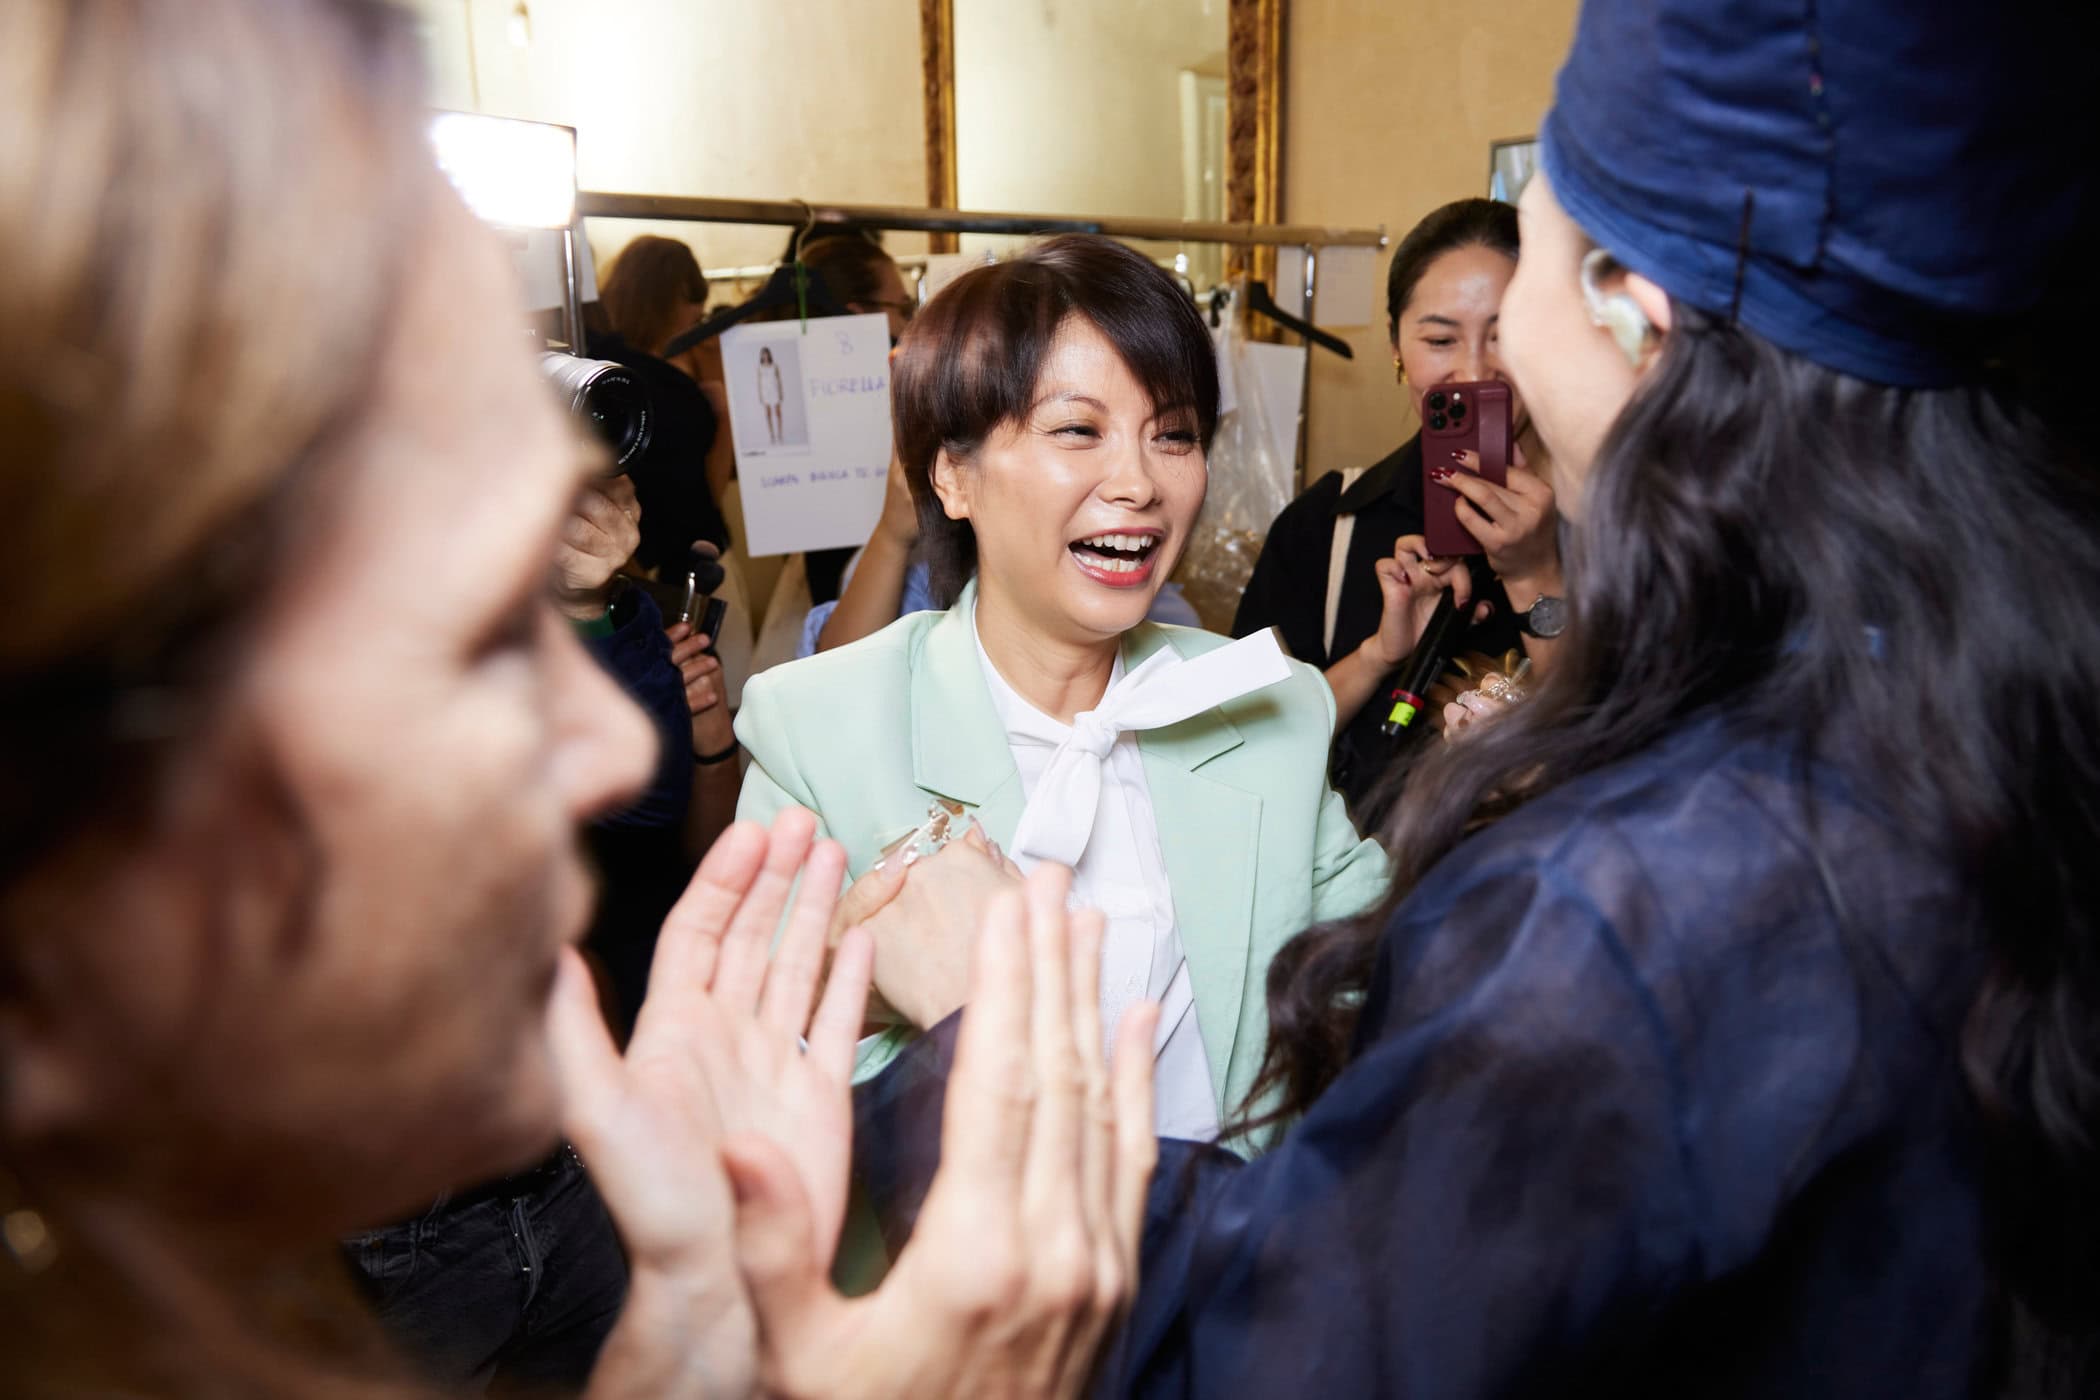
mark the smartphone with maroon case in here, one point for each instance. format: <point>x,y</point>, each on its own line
<point>1461,418</point>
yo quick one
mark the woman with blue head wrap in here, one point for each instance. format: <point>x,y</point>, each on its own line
<point>1733,1024</point>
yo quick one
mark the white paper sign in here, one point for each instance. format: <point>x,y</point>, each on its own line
<point>809,414</point>
<point>1345,285</point>
<point>1345,289</point>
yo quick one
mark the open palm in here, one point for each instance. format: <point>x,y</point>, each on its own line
<point>718,1051</point>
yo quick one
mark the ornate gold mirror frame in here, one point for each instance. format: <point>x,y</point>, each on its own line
<point>1254,119</point>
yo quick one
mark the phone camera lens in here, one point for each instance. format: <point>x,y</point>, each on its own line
<point>1436,401</point>
<point>1458,408</point>
<point>1438,421</point>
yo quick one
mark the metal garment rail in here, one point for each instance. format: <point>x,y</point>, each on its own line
<point>600,204</point>
<point>595,204</point>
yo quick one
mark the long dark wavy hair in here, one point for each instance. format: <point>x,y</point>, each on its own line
<point>1750,522</point>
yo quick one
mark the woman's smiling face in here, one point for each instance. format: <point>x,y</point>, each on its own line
<point>1082,508</point>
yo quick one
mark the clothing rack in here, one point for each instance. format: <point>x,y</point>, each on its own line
<point>595,204</point>
<point>759,272</point>
<point>794,213</point>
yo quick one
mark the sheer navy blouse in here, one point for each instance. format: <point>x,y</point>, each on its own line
<point>1656,1092</point>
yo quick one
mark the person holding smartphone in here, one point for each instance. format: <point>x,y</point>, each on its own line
<point>1334,574</point>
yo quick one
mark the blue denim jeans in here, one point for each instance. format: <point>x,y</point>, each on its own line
<point>509,1289</point>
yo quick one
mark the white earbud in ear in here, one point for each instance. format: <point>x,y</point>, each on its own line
<point>1617,312</point>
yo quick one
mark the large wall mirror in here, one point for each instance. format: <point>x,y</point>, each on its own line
<point>1163,110</point>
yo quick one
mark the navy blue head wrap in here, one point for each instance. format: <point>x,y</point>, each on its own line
<point>1871,184</point>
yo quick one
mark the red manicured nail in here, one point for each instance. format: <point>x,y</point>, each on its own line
<point>1458,454</point>
<point>1440,473</point>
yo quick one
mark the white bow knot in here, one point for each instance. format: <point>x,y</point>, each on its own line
<point>1093,735</point>
<point>1165,689</point>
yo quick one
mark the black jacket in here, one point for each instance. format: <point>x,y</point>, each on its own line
<point>1288,591</point>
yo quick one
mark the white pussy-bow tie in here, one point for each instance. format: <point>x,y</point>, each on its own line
<point>1165,689</point>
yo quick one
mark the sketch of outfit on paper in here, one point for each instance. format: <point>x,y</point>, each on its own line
<point>770,394</point>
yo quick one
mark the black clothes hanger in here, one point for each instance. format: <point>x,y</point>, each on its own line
<point>1262,304</point>
<point>792,284</point>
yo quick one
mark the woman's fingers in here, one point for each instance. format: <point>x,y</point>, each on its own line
<point>776,1248</point>
<point>1529,486</point>
<point>1481,526</point>
<point>798,961</point>
<point>867,896</point>
<point>984,1129</point>
<point>836,1029</point>
<point>741,968</point>
<point>1137,1150</point>
<point>1488,500</point>
<point>1054,1136</point>
<point>1097,1165</point>
<point>1459,579</point>
<point>697,667</point>
<point>690,943</point>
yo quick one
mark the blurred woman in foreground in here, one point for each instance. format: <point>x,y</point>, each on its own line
<point>295,752</point>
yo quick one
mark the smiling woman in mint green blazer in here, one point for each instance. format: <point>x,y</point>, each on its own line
<point>1052,415</point>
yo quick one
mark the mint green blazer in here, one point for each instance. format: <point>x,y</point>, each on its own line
<point>1257,845</point>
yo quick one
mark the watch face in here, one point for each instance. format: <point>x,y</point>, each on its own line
<point>1548,617</point>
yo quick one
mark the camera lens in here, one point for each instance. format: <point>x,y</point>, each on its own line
<point>1438,420</point>
<point>1458,408</point>
<point>1436,401</point>
<point>607,397</point>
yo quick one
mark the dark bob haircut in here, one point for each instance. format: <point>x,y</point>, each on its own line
<point>971,359</point>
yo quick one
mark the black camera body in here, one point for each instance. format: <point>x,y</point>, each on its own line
<point>608,399</point>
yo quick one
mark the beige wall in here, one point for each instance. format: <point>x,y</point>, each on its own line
<point>1074,106</point>
<point>816,99</point>
<point>1390,111</point>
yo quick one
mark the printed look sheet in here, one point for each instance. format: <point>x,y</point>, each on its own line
<point>809,415</point>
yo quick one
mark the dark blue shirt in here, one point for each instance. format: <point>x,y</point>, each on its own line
<point>1655,1092</point>
<point>637,654</point>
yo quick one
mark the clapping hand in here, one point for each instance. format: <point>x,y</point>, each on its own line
<point>1026,1250</point>
<point>717,1050</point>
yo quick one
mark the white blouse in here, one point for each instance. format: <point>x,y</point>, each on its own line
<point>1122,873</point>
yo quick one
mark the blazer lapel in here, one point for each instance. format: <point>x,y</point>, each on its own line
<point>1208,832</point>
<point>959,748</point>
